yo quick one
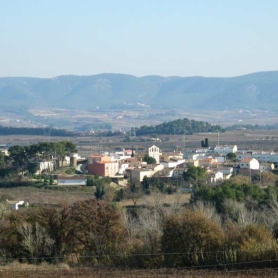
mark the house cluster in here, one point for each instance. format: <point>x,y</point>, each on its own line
<point>168,165</point>
<point>121,165</point>
<point>248,162</point>
<point>214,160</point>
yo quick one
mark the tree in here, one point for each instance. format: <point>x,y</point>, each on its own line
<point>32,167</point>
<point>2,161</point>
<point>99,193</point>
<point>19,157</point>
<point>268,178</point>
<point>119,195</point>
<point>206,142</point>
<point>191,238</point>
<point>134,192</point>
<point>97,229</point>
<point>59,225</point>
<point>145,184</point>
<point>35,241</point>
<point>149,159</point>
<point>194,174</point>
<point>231,156</point>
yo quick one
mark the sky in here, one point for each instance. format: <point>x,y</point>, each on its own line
<point>48,38</point>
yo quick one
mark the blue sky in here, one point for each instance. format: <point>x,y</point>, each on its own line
<point>47,38</point>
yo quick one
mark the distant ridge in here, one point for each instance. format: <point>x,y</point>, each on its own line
<point>121,91</point>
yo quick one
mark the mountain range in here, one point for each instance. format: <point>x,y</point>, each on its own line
<point>120,91</point>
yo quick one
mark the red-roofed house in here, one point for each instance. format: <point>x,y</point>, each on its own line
<point>206,162</point>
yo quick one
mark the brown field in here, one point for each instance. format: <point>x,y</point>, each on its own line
<point>124,119</point>
<point>63,271</point>
<point>33,195</point>
<point>57,196</point>
<point>256,140</point>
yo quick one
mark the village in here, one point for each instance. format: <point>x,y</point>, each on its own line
<point>127,167</point>
<point>220,162</point>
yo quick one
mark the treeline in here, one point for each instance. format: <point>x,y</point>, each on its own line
<point>253,127</point>
<point>181,126</point>
<point>24,159</point>
<point>8,130</point>
<point>96,233</point>
<point>252,195</point>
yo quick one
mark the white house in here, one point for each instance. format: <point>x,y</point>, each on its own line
<point>260,156</point>
<point>171,163</point>
<point>74,180</point>
<point>250,163</point>
<point>225,149</point>
<point>137,174</point>
<point>220,159</point>
<point>216,176</point>
<point>14,205</point>
<point>227,172</point>
<point>266,167</point>
<point>122,167</point>
<point>195,154</point>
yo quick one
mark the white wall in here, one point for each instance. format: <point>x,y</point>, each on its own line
<point>71,182</point>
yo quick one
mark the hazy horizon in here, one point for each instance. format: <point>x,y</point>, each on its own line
<point>51,38</point>
<point>51,77</point>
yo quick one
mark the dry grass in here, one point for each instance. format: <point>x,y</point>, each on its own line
<point>51,196</point>
<point>179,198</point>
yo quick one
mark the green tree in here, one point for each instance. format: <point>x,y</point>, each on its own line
<point>231,156</point>
<point>99,192</point>
<point>2,161</point>
<point>194,174</point>
<point>206,143</point>
<point>149,159</point>
<point>119,195</point>
<point>146,184</point>
<point>19,157</point>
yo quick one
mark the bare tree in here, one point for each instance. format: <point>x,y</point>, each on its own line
<point>208,209</point>
<point>239,213</point>
<point>35,240</point>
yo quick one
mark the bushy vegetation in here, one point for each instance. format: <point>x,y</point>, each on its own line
<point>184,126</point>
<point>24,159</point>
<point>253,127</point>
<point>94,232</point>
<point>8,130</point>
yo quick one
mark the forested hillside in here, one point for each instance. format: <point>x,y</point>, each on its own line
<point>120,91</point>
<point>184,126</point>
